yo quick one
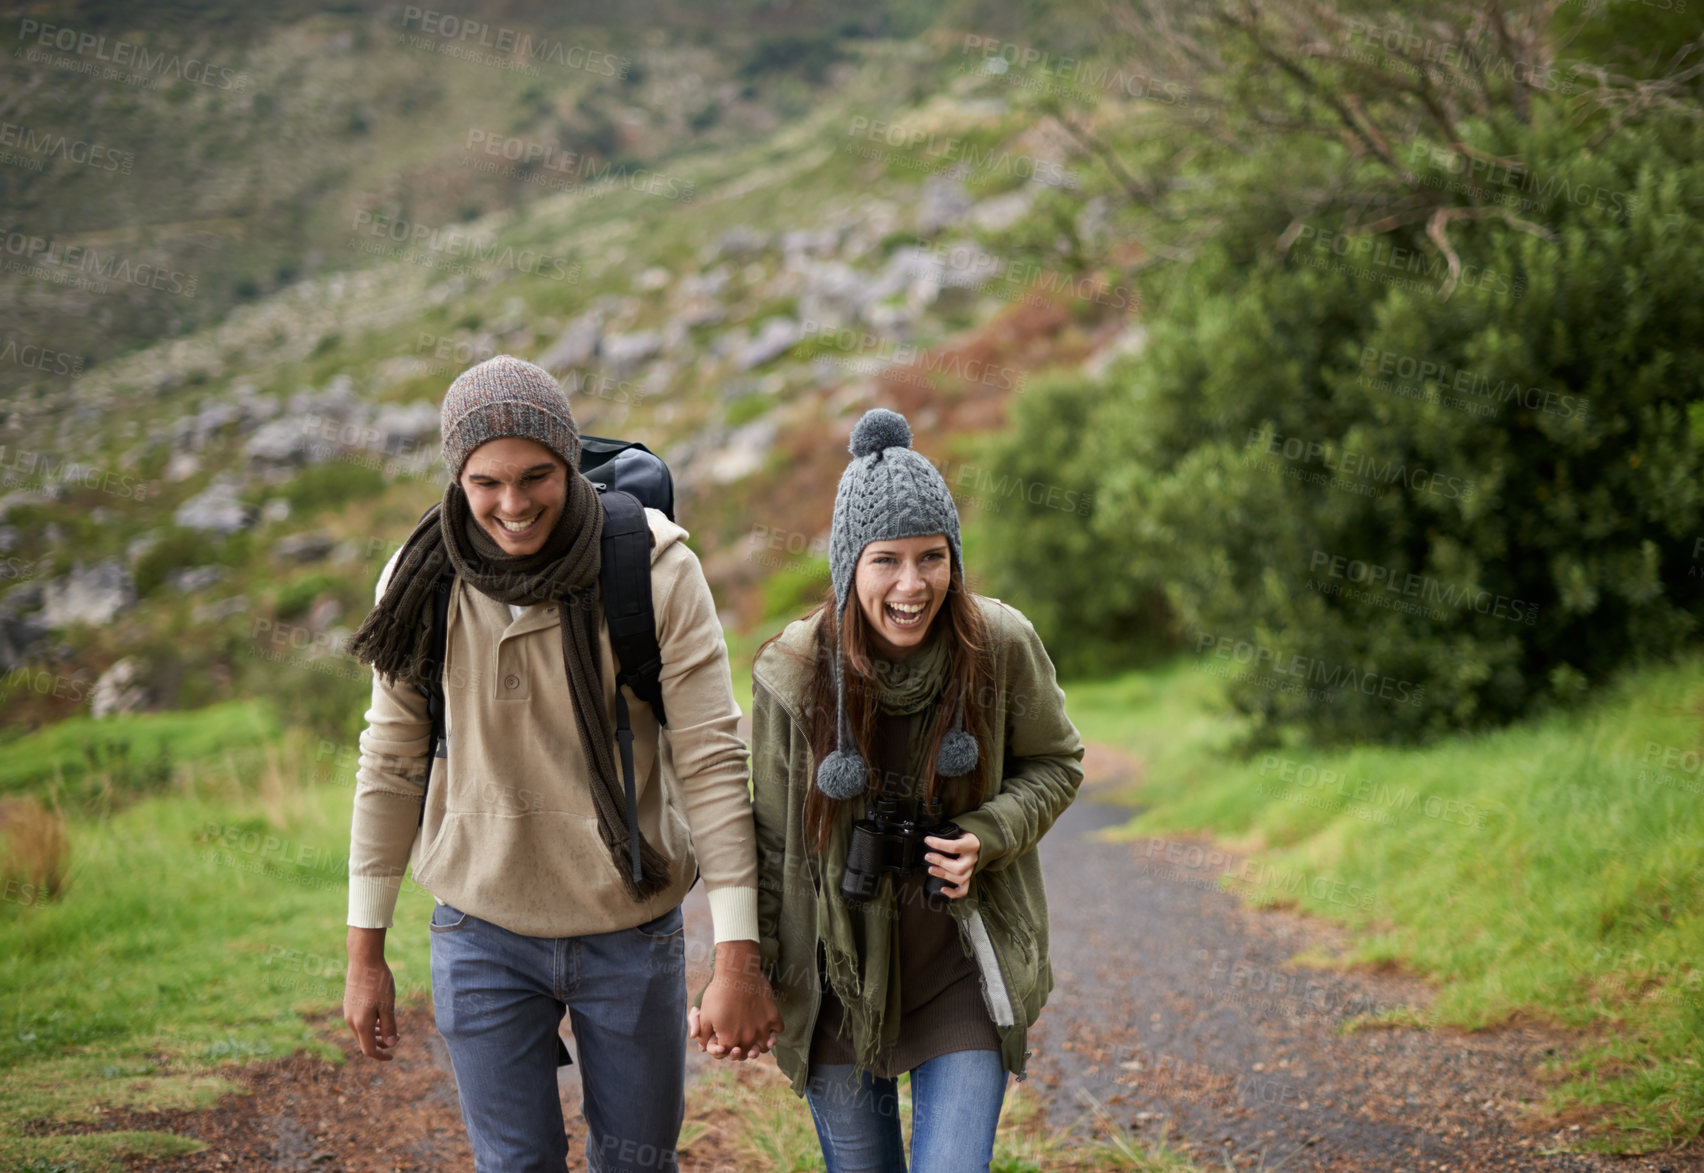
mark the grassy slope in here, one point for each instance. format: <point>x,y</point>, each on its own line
<point>1547,869</point>
<point>198,928</point>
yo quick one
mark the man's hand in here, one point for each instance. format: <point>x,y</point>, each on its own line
<point>955,871</point>
<point>738,1019</point>
<point>369,994</point>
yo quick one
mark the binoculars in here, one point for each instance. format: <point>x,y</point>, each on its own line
<point>890,840</point>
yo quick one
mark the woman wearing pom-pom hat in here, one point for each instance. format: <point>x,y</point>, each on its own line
<point>905,703</point>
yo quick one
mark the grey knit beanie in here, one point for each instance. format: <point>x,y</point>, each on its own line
<point>888,491</point>
<point>506,396</point>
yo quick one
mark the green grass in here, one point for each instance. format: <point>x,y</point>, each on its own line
<point>772,1129</point>
<point>1551,869</point>
<point>195,931</point>
<point>85,763</point>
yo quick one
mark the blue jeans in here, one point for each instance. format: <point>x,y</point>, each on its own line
<point>955,1104</point>
<point>498,998</point>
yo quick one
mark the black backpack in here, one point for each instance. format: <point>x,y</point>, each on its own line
<point>629,477</point>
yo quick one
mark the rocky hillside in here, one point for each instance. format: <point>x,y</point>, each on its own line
<point>179,522</point>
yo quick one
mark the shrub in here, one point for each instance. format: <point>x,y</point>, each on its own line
<point>34,850</point>
<point>1385,502</point>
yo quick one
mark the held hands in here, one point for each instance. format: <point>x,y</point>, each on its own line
<point>956,872</point>
<point>738,1019</point>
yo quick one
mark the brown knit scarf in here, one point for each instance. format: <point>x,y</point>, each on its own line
<point>564,570</point>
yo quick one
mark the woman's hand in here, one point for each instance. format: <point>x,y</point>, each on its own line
<point>738,1019</point>
<point>955,871</point>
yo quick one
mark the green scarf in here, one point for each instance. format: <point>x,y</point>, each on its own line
<point>866,977</point>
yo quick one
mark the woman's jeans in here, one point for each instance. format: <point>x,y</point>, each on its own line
<point>955,1104</point>
<point>499,996</point>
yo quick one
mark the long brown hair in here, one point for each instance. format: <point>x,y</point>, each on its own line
<point>971,678</point>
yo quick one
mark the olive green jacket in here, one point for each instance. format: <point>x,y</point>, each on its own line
<point>1034,769</point>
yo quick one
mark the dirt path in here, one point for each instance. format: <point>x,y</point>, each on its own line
<point>1175,1006</point>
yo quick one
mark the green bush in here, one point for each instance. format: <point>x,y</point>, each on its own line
<point>1383,512</point>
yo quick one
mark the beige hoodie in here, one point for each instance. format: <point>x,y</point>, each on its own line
<point>510,832</point>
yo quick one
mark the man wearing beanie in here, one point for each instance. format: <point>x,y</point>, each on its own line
<point>519,826</point>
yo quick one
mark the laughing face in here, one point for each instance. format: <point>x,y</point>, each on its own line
<point>516,489</point>
<point>900,585</point>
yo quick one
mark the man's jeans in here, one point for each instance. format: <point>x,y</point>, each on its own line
<point>499,997</point>
<point>955,1104</point>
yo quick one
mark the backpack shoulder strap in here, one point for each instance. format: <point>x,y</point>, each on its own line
<point>625,577</point>
<point>437,637</point>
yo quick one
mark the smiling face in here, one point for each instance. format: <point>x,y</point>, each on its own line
<point>516,489</point>
<point>900,585</point>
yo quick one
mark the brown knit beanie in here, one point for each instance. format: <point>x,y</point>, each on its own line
<point>506,396</point>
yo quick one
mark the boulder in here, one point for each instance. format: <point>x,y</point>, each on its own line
<point>741,454</point>
<point>189,579</point>
<point>576,346</point>
<point>312,546</point>
<point>93,594</point>
<point>122,688</point>
<point>621,353</point>
<point>942,204</point>
<point>182,466</point>
<point>404,428</point>
<point>284,441</point>
<point>741,243</point>
<point>998,213</point>
<point>774,338</point>
<point>216,508</point>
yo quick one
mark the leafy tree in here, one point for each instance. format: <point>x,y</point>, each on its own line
<point>1415,443</point>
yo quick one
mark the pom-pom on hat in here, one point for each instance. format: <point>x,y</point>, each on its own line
<point>888,491</point>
